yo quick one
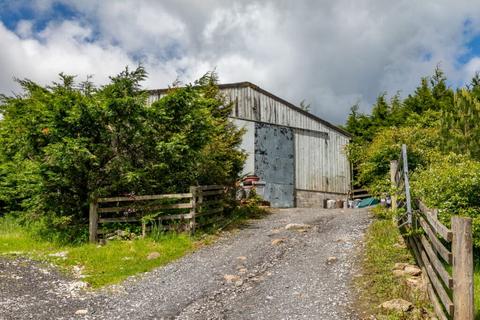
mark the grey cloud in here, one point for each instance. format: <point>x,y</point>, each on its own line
<point>331,53</point>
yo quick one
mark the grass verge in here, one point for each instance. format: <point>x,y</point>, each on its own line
<point>101,265</point>
<point>383,248</point>
<point>117,260</point>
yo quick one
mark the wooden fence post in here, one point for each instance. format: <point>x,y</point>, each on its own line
<point>462,268</point>
<point>193,212</point>
<point>393,173</point>
<point>93,221</point>
<point>144,229</point>
<point>200,199</point>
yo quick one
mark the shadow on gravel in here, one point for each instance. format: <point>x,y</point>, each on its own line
<point>239,221</point>
<point>247,222</point>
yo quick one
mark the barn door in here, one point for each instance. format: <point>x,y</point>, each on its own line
<point>275,163</point>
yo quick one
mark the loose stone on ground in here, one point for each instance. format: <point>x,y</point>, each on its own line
<point>297,226</point>
<point>153,255</point>
<point>397,305</point>
<point>241,276</point>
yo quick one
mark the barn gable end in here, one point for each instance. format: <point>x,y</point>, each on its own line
<point>301,164</point>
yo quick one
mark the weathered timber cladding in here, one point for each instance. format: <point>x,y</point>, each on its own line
<point>321,169</point>
<point>255,104</point>
<point>321,163</point>
<point>248,144</point>
<point>270,109</point>
<point>274,163</point>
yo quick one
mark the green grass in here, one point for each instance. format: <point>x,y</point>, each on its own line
<point>117,260</point>
<point>102,265</point>
<point>14,239</point>
<point>476,290</point>
<point>377,283</point>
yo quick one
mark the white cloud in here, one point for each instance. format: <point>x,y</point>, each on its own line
<point>136,26</point>
<point>59,48</point>
<point>470,68</point>
<point>329,53</point>
<point>24,28</point>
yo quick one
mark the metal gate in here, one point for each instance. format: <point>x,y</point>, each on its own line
<point>275,163</point>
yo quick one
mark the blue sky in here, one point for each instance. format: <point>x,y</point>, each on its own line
<point>330,53</point>
<point>11,14</point>
<point>472,48</point>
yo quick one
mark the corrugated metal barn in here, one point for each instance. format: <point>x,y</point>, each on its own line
<point>300,157</point>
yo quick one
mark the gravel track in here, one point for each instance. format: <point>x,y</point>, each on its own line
<point>244,275</point>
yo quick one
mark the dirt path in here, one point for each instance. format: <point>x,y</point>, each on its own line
<point>261,272</point>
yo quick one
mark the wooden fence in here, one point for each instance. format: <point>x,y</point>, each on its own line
<point>358,194</point>
<point>401,183</point>
<point>190,209</point>
<point>439,250</point>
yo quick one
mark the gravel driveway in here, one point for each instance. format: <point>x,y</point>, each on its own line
<point>263,271</point>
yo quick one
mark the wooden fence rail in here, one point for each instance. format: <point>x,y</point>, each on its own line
<point>201,201</point>
<point>359,194</point>
<point>438,250</point>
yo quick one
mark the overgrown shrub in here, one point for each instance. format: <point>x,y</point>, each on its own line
<point>64,144</point>
<point>374,158</point>
<point>434,121</point>
<point>452,185</point>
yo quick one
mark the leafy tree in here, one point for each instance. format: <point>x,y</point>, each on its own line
<point>385,126</point>
<point>62,145</point>
<point>421,100</point>
<point>441,131</point>
<point>304,105</point>
<point>357,123</point>
<point>374,160</point>
<point>380,111</point>
<point>459,124</point>
<point>451,185</point>
<point>474,85</point>
<point>398,112</point>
